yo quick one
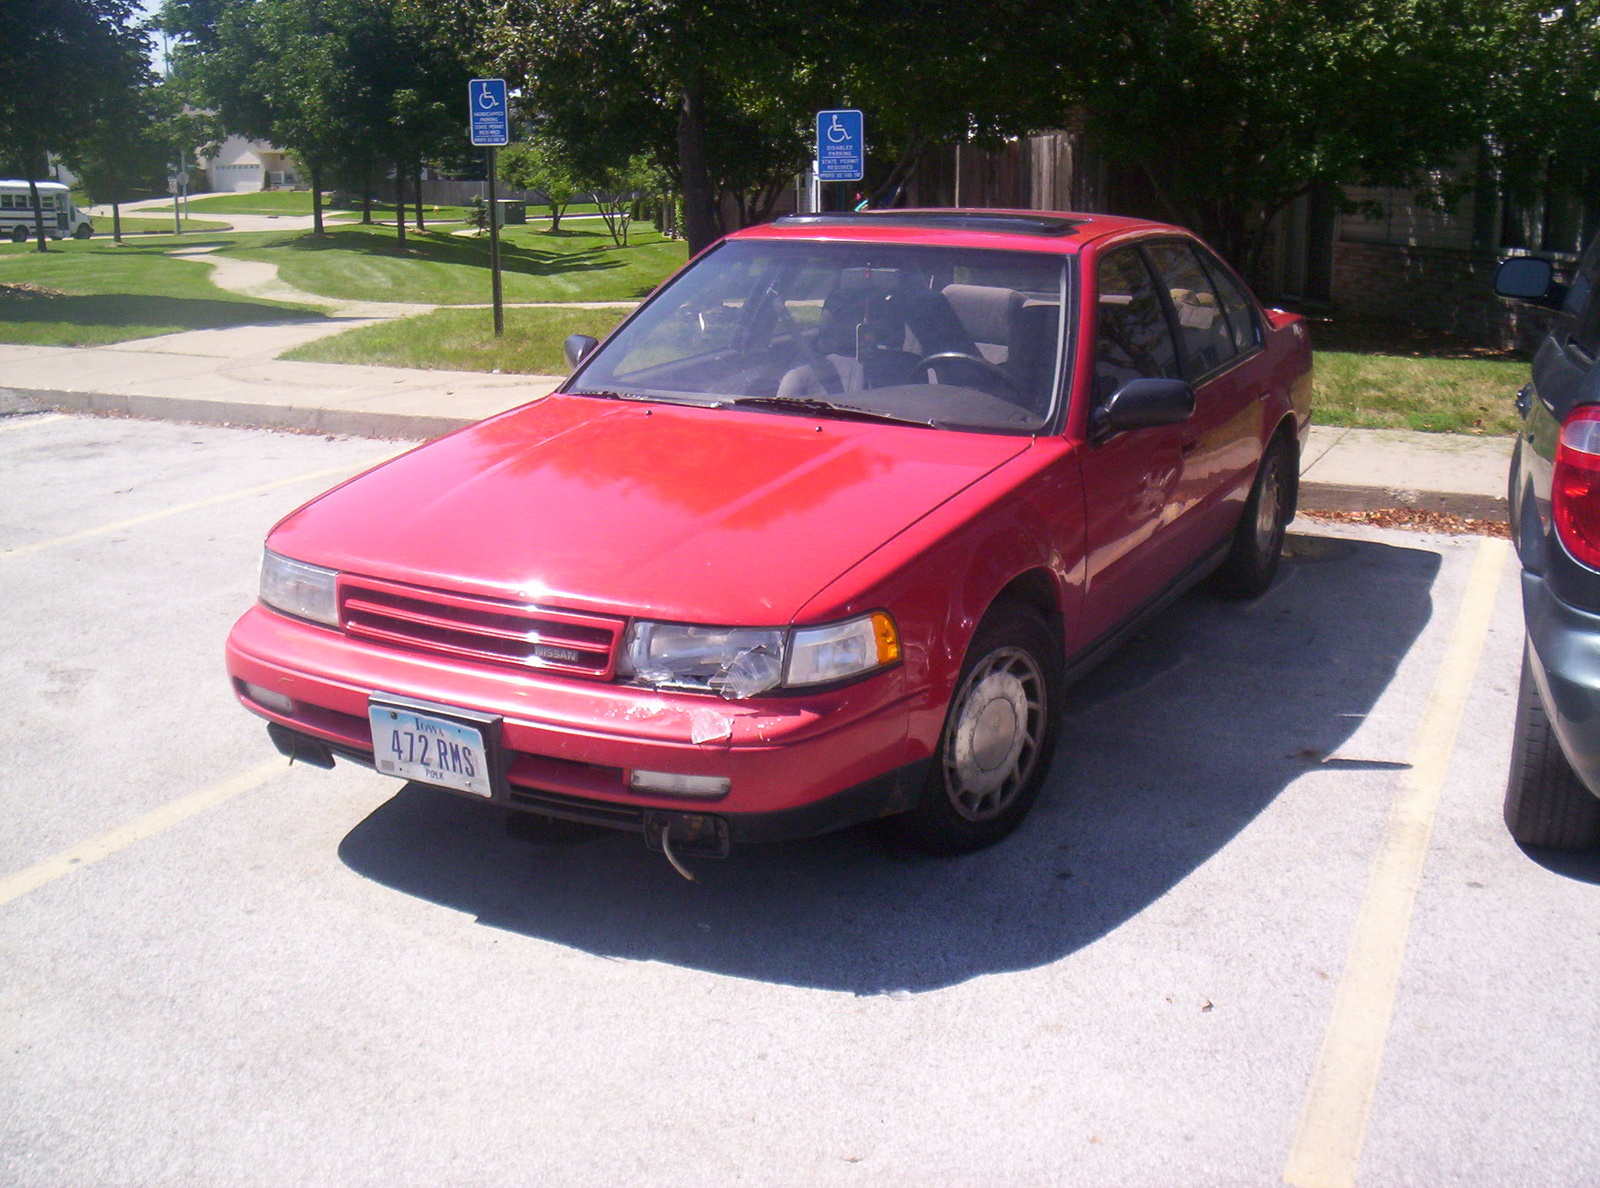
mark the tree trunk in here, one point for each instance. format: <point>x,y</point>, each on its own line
<point>555,215</point>
<point>416,176</point>
<point>699,212</point>
<point>116,222</point>
<point>366,196</point>
<point>400,201</point>
<point>316,199</point>
<point>38,214</point>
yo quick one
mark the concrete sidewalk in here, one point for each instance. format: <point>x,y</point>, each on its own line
<point>232,377</point>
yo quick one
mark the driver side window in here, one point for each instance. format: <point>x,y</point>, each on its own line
<point>1133,339</point>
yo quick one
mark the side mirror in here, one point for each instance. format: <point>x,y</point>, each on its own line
<point>1527,278</point>
<point>1141,403</point>
<point>577,348</point>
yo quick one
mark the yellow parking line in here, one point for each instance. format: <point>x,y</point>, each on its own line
<point>37,875</point>
<point>18,422</point>
<point>149,517</point>
<point>1333,1121</point>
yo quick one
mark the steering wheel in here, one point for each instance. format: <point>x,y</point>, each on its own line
<point>978,360</point>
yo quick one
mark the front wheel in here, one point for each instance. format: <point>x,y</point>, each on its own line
<point>1252,560</point>
<point>1546,803</point>
<point>19,234</point>
<point>82,231</point>
<point>999,734</point>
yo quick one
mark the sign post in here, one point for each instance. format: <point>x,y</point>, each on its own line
<point>489,123</point>
<point>841,146</point>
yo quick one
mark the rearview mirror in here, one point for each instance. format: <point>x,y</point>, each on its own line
<point>1528,278</point>
<point>577,348</point>
<point>1141,403</point>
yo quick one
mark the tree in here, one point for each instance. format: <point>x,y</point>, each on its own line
<point>126,154</point>
<point>66,66</point>
<point>1231,109</point>
<point>539,165</point>
<point>613,80</point>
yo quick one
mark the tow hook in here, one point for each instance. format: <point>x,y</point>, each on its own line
<point>686,835</point>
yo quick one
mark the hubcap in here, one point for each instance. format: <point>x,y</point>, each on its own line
<point>1267,508</point>
<point>994,740</point>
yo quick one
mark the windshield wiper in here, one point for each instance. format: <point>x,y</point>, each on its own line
<point>604,394</point>
<point>636,397</point>
<point>825,408</point>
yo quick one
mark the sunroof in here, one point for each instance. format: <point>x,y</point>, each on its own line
<point>1004,222</point>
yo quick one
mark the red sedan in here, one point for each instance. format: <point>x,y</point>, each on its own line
<point>819,534</point>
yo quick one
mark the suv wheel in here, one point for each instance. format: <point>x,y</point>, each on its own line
<point>999,734</point>
<point>1546,803</point>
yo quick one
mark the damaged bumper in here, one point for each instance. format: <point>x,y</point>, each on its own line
<point>794,765</point>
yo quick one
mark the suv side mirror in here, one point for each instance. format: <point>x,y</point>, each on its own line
<point>1527,278</point>
<point>1141,403</point>
<point>577,348</point>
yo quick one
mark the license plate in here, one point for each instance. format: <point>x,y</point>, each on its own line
<point>429,749</point>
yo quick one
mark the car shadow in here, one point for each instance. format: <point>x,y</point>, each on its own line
<point>1581,866</point>
<point>1168,750</point>
<point>140,309</point>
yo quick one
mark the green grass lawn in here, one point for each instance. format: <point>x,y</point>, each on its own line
<point>369,264</point>
<point>262,202</point>
<point>1376,391</point>
<point>139,225</point>
<point>463,340</point>
<point>88,293</point>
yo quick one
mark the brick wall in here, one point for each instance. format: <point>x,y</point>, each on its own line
<point>1435,288</point>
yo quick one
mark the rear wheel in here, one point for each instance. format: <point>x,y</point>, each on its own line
<point>999,734</point>
<point>1546,803</point>
<point>19,234</point>
<point>1252,560</point>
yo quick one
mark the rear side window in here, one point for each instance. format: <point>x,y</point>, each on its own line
<point>1203,328</point>
<point>1240,309</point>
<point>1583,299</point>
<point>1134,340</point>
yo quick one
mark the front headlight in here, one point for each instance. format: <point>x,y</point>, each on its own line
<point>740,662</point>
<point>295,588</point>
<point>818,655</point>
<point>733,661</point>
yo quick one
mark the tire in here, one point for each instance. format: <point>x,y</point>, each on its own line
<point>82,231</point>
<point>1546,803</point>
<point>19,234</point>
<point>1252,560</point>
<point>998,738</point>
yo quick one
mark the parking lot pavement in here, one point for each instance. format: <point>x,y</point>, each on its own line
<point>1269,858</point>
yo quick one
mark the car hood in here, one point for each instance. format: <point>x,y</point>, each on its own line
<point>664,511</point>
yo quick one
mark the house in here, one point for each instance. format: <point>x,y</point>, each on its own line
<point>239,164</point>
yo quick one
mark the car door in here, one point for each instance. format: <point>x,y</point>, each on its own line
<point>1222,441</point>
<point>1131,478</point>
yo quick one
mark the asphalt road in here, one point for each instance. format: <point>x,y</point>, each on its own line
<point>1264,924</point>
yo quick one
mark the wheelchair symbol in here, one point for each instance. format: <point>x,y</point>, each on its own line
<point>486,99</point>
<point>837,133</point>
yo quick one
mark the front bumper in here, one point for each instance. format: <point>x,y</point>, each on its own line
<point>1566,654</point>
<point>798,765</point>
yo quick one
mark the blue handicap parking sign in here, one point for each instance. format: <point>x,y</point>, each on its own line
<point>841,149</point>
<point>487,118</point>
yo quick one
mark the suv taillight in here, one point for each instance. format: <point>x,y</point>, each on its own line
<point>1575,489</point>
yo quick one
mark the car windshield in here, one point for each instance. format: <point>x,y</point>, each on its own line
<point>954,338</point>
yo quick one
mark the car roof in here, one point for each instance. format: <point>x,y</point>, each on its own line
<point>1061,232</point>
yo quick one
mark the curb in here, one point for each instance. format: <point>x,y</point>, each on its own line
<point>1345,497</point>
<point>311,419</point>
